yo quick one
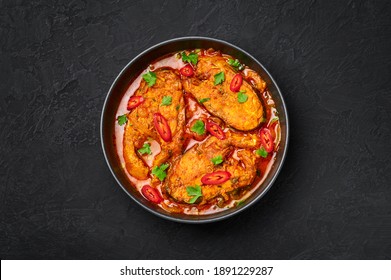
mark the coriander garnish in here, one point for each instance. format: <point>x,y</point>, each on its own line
<point>150,78</point>
<point>261,152</point>
<point>242,97</point>
<point>217,160</point>
<point>202,100</point>
<point>159,171</point>
<point>166,100</point>
<point>195,192</point>
<point>122,119</point>
<point>219,78</point>
<point>198,127</point>
<point>191,58</point>
<point>235,64</point>
<point>146,149</point>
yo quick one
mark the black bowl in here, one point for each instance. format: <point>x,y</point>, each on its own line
<point>138,64</point>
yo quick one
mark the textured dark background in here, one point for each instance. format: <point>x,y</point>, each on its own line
<point>332,61</point>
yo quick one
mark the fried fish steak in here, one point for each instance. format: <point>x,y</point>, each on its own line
<point>188,169</point>
<point>140,127</point>
<point>223,102</point>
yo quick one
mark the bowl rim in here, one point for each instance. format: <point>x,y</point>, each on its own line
<point>223,216</point>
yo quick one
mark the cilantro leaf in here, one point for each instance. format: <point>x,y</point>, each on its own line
<point>146,149</point>
<point>274,119</point>
<point>166,101</point>
<point>235,64</point>
<point>202,100</point>
<point>219,78</point>
<point>242,97</point>
<point>217,160</point>
<point>191,58</point>
<point>239,203</point>
<point>150,78</point>
<point>195,192</point>
<point>261,152</point>
<point>177,107</point>
<point>122,119</point>
<point>198,127</point>
<point>159,171</point>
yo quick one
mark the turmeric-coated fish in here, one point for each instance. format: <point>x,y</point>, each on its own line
<point>235,102</point>
<point>163,104</point>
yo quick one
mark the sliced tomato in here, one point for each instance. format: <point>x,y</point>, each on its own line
<point>135,101</point>
<point>162,127</point>
<point>216,178</point>
<point>187,71</point>
<point>236,83</point>
<point>215,130</point>
<point>266,139</point>
<point>151,194</point>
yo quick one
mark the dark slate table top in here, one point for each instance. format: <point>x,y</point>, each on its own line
<point>332,61</point>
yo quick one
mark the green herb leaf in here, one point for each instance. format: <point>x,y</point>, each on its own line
<point>217,160</point>
<point>234,180</point>
<point>195,192</point>
<point>159,171</point>
<point>261,152</point>
<point>191,58</point>
<point>242,97</point>
<point>177,107</point>
<point>219,78</point>
<point>122,119</point>
<point>166,101</point>
<point>198,127</point>
<point>239,203</point>
<point>202,100</point>
<point>235,64</point>
<point>146,149</point>
<point>274,119</point>
<point>150,78</point>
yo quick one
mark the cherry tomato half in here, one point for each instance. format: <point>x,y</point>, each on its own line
<point>236,83</point>
<point>187,71</point>
<point>216,178</point>
<point>215,130</point>
<point>266,139</point>
<point>135,101</point>
<point>151,194</point>
<point>162,127</point>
